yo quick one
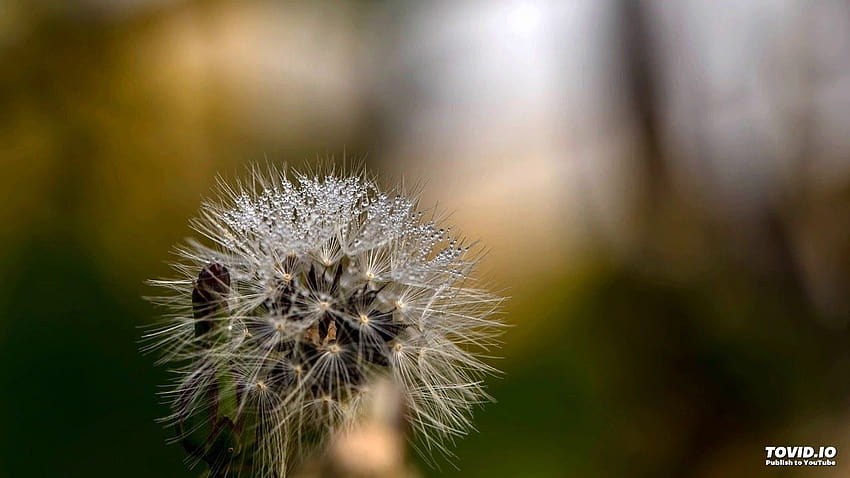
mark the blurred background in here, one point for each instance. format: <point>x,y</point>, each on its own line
<point>664,188</point>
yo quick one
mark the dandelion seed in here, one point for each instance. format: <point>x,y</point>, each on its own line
<point>311,288</point>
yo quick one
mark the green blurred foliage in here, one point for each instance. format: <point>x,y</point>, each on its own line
<point>636,377</point>
<point>78,399</point>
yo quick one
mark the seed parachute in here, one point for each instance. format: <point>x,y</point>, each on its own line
<point>305,290</point>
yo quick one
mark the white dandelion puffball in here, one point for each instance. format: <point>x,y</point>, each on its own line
<point>310,289</point>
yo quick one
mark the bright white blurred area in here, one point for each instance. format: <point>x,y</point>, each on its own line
<point>750,88</point>
<point>503,105</point>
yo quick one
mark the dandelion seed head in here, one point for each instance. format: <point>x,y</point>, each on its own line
<point>306,290</point>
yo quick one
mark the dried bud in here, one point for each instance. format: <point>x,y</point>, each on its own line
<point>316,288</point>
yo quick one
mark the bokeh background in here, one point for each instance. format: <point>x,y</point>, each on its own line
<point>664,188</point>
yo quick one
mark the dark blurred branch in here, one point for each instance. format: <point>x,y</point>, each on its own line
<point>639,80</point>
